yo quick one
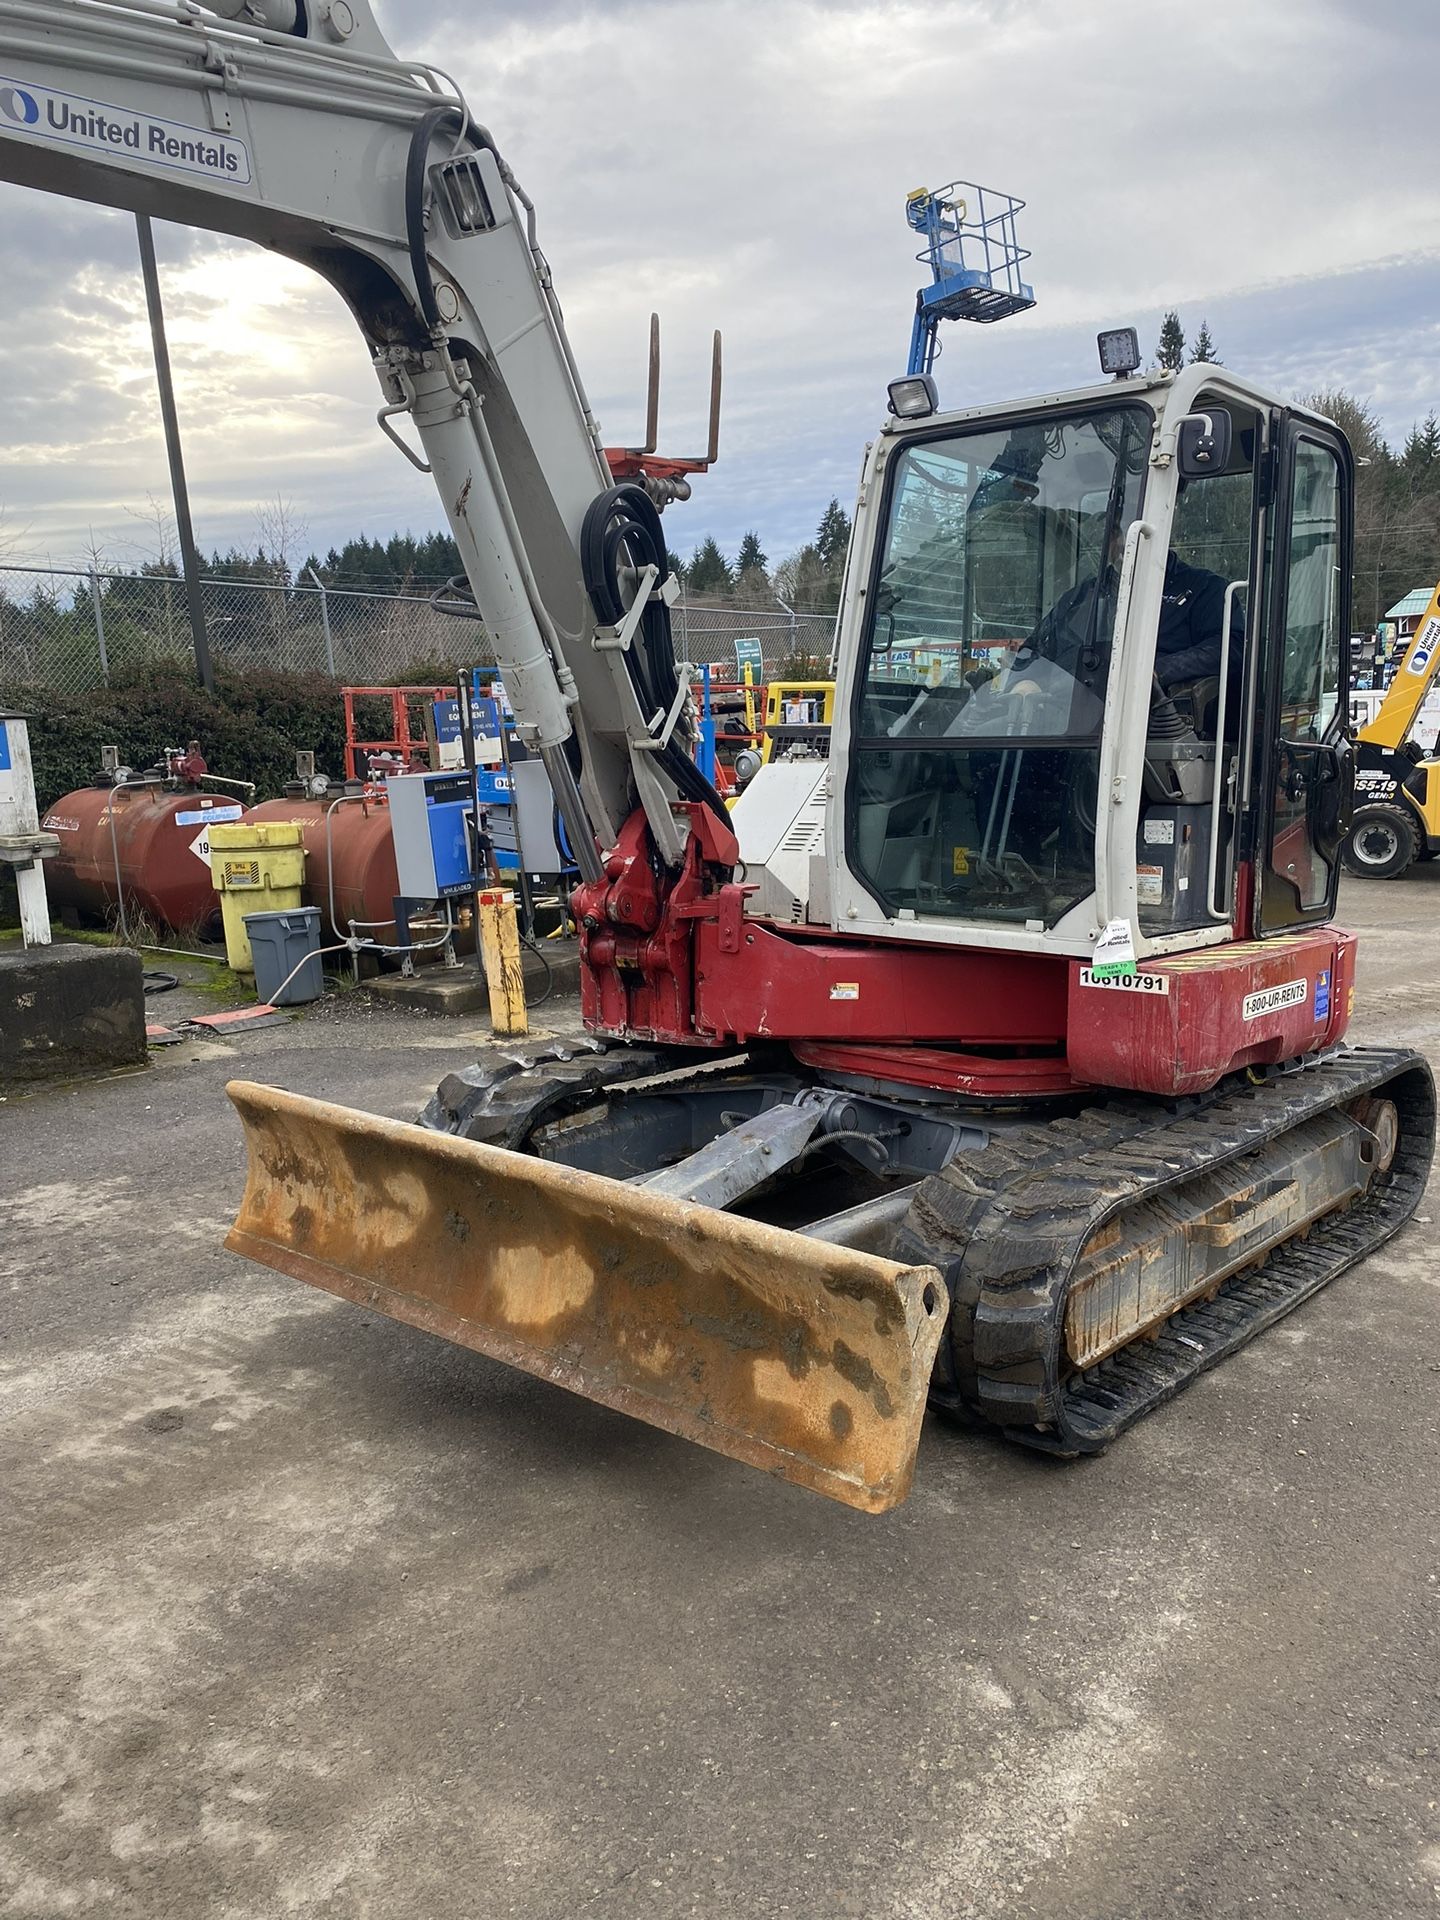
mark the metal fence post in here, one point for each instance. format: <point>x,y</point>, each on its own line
<point>325,622</point>
<point>97,605</point>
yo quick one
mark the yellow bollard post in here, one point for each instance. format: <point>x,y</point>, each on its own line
<point>500,951</point>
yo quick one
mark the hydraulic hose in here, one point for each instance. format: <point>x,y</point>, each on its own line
<point>420,139</point>
<point>622,530</point>
<point>622,527</point>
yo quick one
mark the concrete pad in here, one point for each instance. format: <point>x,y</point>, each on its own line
<point>462,989</point>
<point>452,990</point>
<point>69,1010</point>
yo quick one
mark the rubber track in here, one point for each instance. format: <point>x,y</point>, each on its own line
<point>1007,1227</point>
<point>504,1100</point>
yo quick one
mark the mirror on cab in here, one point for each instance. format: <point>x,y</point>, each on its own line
<point>1203,443</point>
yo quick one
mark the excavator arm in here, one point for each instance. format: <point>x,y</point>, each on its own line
<point>297,128</point>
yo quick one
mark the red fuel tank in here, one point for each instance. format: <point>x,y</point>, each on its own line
<point>150,839</point>
<point>360,855</point>
<point>357,867</point>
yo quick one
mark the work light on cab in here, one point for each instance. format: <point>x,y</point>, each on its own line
<point>914,397</point>
<point>1119,351</point>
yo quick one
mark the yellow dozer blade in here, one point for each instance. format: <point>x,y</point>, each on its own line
<point>809,1360</point>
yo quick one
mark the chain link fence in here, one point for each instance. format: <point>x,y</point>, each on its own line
<point>73,631</point>
<point>793,644</point>
<point>76,631</point>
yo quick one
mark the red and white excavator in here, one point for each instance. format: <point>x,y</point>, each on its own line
<point>995,1059</point>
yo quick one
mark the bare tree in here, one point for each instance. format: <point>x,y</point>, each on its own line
<point>160,560</point>
<point>10,534</point>
<point>280,534</point>
<point>160,549</point>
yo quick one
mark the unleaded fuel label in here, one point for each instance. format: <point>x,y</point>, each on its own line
<point>72,120</point>
<point>1272,999</point>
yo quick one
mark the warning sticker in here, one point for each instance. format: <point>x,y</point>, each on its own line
<point>1126,983</point>
<point>200,845</point>
<point>7,771</point>
<point>1159,833</point>
<point>1256,1005</point>
<point>1322,996</point>
<point>1150,885</point>
<point>845,990</point>
<point>960,857</point>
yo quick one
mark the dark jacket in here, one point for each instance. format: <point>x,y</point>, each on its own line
<point>1192,613</point>
<point>1187,646</point>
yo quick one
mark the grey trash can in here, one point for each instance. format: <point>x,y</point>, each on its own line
<point>280,943</point>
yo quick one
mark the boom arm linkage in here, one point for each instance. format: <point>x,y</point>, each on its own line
<point>311,138</point>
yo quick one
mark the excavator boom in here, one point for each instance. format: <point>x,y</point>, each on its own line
<point>1414,678</point>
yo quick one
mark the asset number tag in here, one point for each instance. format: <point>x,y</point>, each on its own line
<point>1126,982</point>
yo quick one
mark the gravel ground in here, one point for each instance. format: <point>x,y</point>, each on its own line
<point>305,1613</point>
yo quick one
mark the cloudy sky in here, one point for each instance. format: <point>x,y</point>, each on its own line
<point>1266,164</point>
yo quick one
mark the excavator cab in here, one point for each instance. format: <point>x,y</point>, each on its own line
<point>1087,680</point>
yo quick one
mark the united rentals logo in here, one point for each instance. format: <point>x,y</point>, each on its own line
<point>18,105</point>
<point>98,128</point>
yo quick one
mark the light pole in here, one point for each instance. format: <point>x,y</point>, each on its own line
<point>188,558</point>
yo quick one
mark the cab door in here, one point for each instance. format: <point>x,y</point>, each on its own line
<point>1306,773</point>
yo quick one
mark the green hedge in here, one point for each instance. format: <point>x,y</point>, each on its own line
<point>249,731</point>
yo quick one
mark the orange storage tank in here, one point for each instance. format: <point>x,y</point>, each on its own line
<point>363,858</point>
<point>154,837</point>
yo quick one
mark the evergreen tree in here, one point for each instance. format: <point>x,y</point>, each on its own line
<point>751,555</point>
<point>1397,521</point>
<point>1204,348</point>
<point>1170,349</point>
<point>832,536</point>
<point>709,570</point>
<point>1421,458</point>
<point>675,563</point>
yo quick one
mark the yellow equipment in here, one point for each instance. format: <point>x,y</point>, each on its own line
<point>795,711</point>
<point>1397,789</point>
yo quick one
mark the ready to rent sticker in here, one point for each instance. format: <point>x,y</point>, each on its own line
<point>1272,999</point>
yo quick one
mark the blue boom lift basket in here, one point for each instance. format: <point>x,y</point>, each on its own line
<point>973,256</point>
